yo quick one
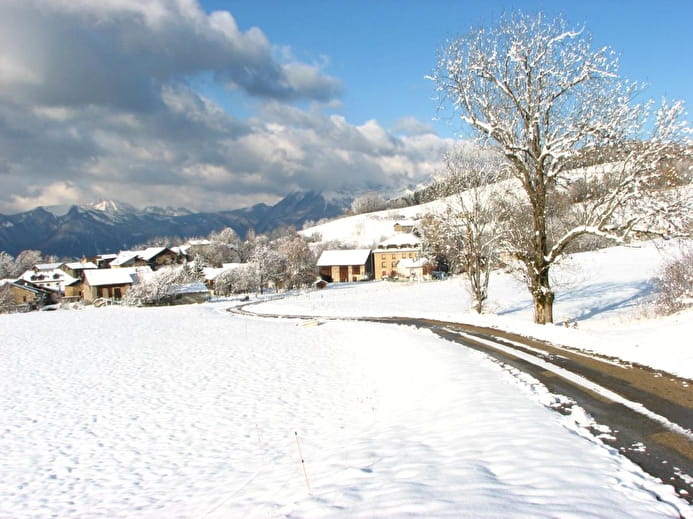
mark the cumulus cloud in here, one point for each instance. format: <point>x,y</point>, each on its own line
<point>96,101</point>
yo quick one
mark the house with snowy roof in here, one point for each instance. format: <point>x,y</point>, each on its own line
<point>405,226</point>
<point>111,283</point>
<point>414,269</point>
<point>28,295</point>
<point>154,257</point>
<point>49,276</point>
<point>346,265</point>
<point>389,253</point>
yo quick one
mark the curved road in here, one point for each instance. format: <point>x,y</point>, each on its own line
<point>649,412</point>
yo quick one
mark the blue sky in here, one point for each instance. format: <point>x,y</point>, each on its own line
<point>382,50</point>
<point>216,104</point>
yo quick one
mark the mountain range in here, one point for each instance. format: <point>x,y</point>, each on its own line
<point>109,226</point>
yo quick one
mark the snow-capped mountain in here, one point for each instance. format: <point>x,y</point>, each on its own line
<point>109,226</point>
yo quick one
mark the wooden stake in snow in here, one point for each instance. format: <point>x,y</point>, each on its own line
<point>303,463</point>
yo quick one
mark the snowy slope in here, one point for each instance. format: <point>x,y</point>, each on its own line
<point>365,230</point>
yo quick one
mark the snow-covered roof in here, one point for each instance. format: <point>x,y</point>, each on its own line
<point>150,252</point>
<point>78,265</point>
<point>121,276</point>
<point>45,276</point>
<point>124,257</point>
<point>343,257</point>
<point>47,266</point>
<point>400,240</point>
<point>211,273</point>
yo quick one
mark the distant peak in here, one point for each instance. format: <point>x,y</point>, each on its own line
<point>111,207</point>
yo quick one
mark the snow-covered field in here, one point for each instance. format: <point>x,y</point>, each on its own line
<point>195,412</point>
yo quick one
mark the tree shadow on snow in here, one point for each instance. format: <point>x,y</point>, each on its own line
<point>597,299</point>
<point>592,300</point>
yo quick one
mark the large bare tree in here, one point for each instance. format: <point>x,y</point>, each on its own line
<point>543,95</point>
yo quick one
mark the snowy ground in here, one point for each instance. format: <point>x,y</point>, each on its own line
<point>195,412</point>
<point>606,294</point>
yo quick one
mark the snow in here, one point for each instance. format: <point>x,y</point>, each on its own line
<point>400,240</point>
<point>363,230</point>
<point>114,276</point>
<point>604,293</point>
<point>343,257</point>
<point>190,411</point>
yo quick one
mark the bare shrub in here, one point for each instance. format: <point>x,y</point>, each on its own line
<point>675,284</point>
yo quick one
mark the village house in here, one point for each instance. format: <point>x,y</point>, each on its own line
<point>111,283</point>
<point>406,226</point>
<point>153,257</point>
<point>49,276</point>
<point>75,268</point>
<point>73,291</point>
<point>346,265</point>
<point>389,252</point>
<point>414,269</point>
<point>26,294</point>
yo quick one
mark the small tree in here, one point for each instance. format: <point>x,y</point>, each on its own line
<point>8,268</point>
<point>539,93</point>
<point>471,216</point>
<point>26,260</point>
<point>300,262</point>
<point>156,288</point>
<point>238,280</point>
<point>269,265</point>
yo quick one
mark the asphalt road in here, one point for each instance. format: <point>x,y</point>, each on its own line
<point>649,413</point>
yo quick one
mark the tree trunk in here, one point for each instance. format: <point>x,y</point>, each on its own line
<point>543,298</point>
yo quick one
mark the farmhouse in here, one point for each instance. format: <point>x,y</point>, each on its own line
<point>390,252</point>
<point>111,283</point>
<point>346,265</point>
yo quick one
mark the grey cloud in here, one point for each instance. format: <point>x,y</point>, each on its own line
<point>193,154</point>
<point>116,54</point>
<point>93,104</point>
